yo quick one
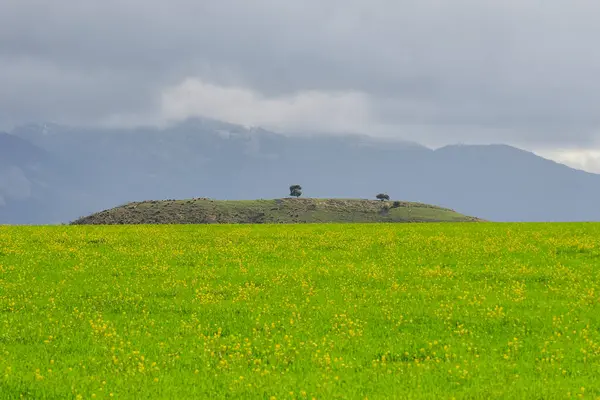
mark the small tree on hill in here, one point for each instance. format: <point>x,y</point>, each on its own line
<point>382,197</point>
<point>296,191</point>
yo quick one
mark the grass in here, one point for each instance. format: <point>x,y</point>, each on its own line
<point>378,311</point>
<point>282,211</point>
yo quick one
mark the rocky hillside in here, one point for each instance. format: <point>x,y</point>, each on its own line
<point>288,210</point>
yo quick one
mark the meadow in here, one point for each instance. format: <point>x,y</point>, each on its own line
<point>374,311</point>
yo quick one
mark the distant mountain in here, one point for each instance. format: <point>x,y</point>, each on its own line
<point>17,151</point>
<point>28,180</point>
<point>90,169</point>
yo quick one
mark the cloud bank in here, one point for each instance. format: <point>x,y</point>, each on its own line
<point>475,71</point>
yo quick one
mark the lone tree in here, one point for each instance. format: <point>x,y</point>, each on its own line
<point>382,197</point>
<point>296,191</point>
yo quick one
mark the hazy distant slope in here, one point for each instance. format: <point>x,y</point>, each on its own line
<point>502,183</point>
<point>29,179</point>
<point>207,211</point>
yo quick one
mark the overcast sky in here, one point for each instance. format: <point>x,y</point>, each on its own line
<point>522,72</point>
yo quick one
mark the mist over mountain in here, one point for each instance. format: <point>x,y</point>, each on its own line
<point>53,174</point>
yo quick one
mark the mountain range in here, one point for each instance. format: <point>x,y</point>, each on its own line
<point>53,173</point>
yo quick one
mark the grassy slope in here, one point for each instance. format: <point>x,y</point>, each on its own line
<point>201,211</point>
<point>390,311</point>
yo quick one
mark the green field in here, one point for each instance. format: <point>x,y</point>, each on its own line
<point>352,311</point>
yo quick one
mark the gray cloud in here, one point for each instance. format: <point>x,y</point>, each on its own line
<point>517,71</point>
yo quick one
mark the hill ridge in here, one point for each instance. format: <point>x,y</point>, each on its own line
<point>285,210</point>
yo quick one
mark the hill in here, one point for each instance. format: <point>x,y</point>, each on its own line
<point>288,210</point>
